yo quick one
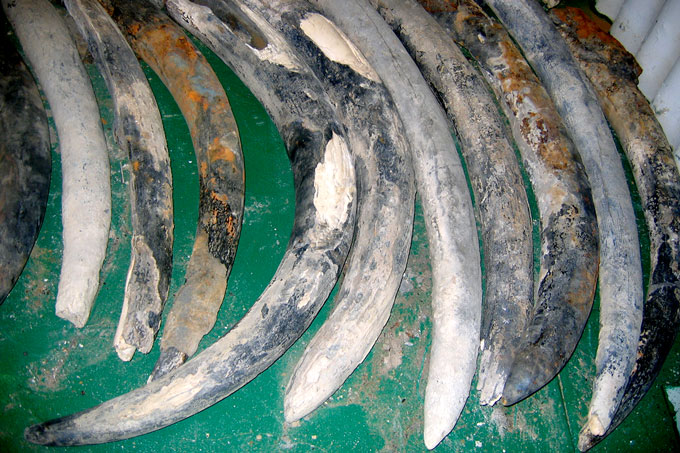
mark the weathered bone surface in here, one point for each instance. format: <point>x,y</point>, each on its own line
<point>496,181</point>
<point>569,243</point>
<point>86,193</point>
<point>322,231</point>
<point>620,267</point>
<point>386,192</point>
<point>613,73</point>
<point>200,96</point>
<point>25,164</point>
<point>456,294</point>
<point>139,131</point>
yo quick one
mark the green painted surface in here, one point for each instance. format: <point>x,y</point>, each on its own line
<point>50,368</point>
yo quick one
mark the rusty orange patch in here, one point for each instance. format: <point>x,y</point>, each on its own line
<point>219,152</point>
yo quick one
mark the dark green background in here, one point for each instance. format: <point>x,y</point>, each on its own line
<point>49,368</point>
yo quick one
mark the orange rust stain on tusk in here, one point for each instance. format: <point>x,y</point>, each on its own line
<point>217,151</point>
<point>219,197</point>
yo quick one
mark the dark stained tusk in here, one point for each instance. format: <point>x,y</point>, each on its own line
<point>453,242</point>
<point>25,164</point>
<point>322,231</point>
<point>494,174</point>
<point>184,70</point>
<point>620,267</point>
<point>86,194</point>
<point>569,242</point>
<point>138,130</point>
<point>386,193</point>
<point>613,73</point>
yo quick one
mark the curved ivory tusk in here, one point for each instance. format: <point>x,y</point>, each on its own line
<point>25,164</point>
<point>139,130</point>
<point>456,294</point>
<point>495,176</point>
<point>620,267</point>
<point>322,231</point>
<point>86,199</point>
<point>204,104</point>
<point>613,72</point>
<point>386,194</point>
<point>569,242</point>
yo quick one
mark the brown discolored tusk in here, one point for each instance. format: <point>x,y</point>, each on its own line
<point>568,234</point>
<point>620,273</point>
<point>162,44</point>
<point>613,72</point>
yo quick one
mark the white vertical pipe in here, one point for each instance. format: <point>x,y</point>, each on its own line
<point>609,8</point>
<point>660,49</point>
<point>667,107</point>
<point>634,22</point>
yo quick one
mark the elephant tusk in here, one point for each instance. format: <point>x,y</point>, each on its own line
<point>386,195</point>
<point>322,231</point>
<point>620,275</point>
<point>86,199</point>
<point>451,231</point>
<point>495,177</point>
<point>613,73</point>
<point>568,235</point>
<point>138,130</point>
<point>25,164</point>
<point>184,70</point>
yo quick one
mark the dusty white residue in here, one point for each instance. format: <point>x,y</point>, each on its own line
<point>191,12</point>
<point>336,45</point>
<point>278,56</point>
<point>277,50</point>
<point>176,394</point>
<point>334,187</point>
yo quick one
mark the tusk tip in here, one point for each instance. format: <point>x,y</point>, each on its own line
<point>38,434</point>
<point>520,384</point>
<point>585,441</point>
<point>433,437</point>
<point>294,409</point>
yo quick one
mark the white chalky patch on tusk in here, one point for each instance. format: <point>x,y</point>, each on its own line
<point>334,187</point>
<point>336,45</point>
<point>277,50</point>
